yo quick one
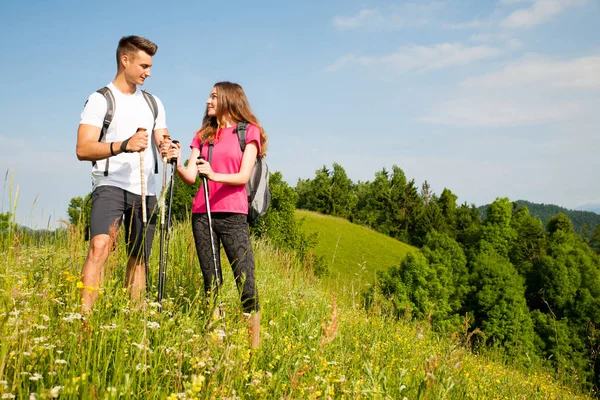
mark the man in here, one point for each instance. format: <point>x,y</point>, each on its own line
<point>116,174</point>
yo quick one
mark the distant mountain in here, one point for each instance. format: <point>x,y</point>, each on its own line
<point>593,207</point>
<point>580,218</point>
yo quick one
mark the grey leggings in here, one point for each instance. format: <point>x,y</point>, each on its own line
<point>231,230</point>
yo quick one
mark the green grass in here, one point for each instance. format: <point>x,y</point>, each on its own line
<point>316,342</point>
<point>352,250</point>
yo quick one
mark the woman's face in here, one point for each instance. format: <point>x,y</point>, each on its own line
<point>211,103</point>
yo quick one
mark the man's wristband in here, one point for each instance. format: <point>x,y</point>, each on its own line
<point>124,146</point>
<point>112,152</point>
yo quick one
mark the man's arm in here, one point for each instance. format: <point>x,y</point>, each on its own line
<point>90,149</point>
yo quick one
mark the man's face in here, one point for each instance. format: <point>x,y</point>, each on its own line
<point>137,67</point>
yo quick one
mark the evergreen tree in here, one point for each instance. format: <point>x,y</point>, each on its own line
<point>5,221</point>
<point>498,303</point>
<point>447,204</point>
<point>79,211</point>
<point>342,192</point>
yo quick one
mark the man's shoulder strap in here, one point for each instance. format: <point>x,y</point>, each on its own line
<point>110,110</point>
<point>152,103</point>
<point>241,132</point>
<point>154,107</point>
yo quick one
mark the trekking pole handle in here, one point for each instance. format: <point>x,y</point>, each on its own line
<point>174,159</point>
<point>202,158</point>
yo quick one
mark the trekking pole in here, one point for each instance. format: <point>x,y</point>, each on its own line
<point>161,268</point>
<point>165,231</point>
<point>210,227</point>
<point>144,216</point>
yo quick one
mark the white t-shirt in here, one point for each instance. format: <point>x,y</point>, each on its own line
<point>131,112</point>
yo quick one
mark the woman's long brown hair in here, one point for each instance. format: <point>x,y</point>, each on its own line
<point>233,103</point>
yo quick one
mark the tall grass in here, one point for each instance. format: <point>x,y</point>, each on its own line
<point>316,342</point>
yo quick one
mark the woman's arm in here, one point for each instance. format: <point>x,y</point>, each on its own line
<point>240,178</point>
<point>187,173</point>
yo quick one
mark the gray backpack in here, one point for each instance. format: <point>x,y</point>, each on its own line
<point>259,194</point>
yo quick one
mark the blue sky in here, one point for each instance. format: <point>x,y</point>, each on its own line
<point>486,98</point>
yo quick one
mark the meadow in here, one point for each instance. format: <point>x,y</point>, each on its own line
<point>318,342</point>
<point>352,251</point>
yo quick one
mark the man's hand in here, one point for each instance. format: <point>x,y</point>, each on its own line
<point>165,145</point>
<point>139,141</point>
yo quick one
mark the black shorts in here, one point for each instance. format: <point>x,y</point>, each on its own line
<point>110,204</point>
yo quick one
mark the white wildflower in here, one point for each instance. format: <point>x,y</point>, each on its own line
<point>59,361</point>
<point>41,327</point>
<point>26,353</point>
<point>153,325</point>
<point>45,317</point>
<point>55,391</point>
<point>4,383</point>
<point>110,327</point>
<point>154,304</point>
<point>72,317</point>
<point>142,367</point>
<point>35,377</point>
<point>8,396</point>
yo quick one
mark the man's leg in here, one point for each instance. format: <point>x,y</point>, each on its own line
<point>93,270</point>
<point>136,231</point>
<point>105,219</point>
<point>136,279</point>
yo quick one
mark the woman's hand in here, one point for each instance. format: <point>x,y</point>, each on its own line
<point>204,168</point>
<point>174,152</point>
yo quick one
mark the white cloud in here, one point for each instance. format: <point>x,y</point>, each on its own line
<point>363,17</point>
<point>408,14</point>
<point>421,58</point>
<point>494,112</point>
<point>513,2</point>
<point>539,12</point>
<point>529,92</point>
<point>581,73</point>
<point>472,24</point>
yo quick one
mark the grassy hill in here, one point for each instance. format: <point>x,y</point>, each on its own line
<point>352,250</point>
<point>315,343</point>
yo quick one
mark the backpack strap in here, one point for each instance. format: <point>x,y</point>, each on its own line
<point>241,132</point>
<point>210,151</point>
<point>154,107</point>
<point>110,113</point>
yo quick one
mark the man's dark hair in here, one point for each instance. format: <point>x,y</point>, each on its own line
<point>132,44</point>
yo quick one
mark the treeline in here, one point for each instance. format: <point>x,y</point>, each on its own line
<point>509,280</point>
<point>389,204</point>
<point>584,222</point>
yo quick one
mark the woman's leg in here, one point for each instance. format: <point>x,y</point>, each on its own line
<point>235,236</point>
<point>211,273</point>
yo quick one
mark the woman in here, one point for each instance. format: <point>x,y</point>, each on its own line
<point>217,156</point>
